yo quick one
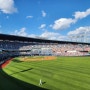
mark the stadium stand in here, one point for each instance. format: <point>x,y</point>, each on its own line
<point>11,46</point>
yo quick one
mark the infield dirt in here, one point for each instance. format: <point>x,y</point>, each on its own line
<point>37,58</point>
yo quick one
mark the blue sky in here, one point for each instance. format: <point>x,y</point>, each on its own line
<point>50,19</point>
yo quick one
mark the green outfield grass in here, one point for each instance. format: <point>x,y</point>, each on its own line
<point>65,73</point>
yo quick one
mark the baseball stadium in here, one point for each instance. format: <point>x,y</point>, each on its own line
<point>40,64</point>
<point>44,44</point>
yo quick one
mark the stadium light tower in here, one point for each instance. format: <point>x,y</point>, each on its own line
<point>70,37</point>
<point>75,38</point>
<point>78,38</point>
<point>85,36</point>
<point>87,33</point>
<point>82,37</point>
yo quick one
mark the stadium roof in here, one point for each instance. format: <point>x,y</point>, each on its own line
<point>29,39</point>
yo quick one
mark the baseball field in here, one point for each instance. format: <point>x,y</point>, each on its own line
<point>56,73</point>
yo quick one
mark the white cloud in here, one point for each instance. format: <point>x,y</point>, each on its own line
<point>32,35</point>
<point>62,23</point>
<point>21,32</point>
<point>80,15</point>
<point>29,17</point>
<point>80,31</point>
<point>52,36</point>
<point>42,26</point>
<point>43,14</point>
<point>49,35</point>
<point>44,35</point>
<point>7,6</point>
<point>75,35</point>
<point>81,34</point>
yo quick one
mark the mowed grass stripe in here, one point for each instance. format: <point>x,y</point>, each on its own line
<point>72,72</point>
<point>30,77</point>
<point>7,82</point>
<point>60,76</point>
<point>44,76</point>
<point>68,74</point>
<point>23,76</point>
<point>56,79</point>
<point>61,68</point>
